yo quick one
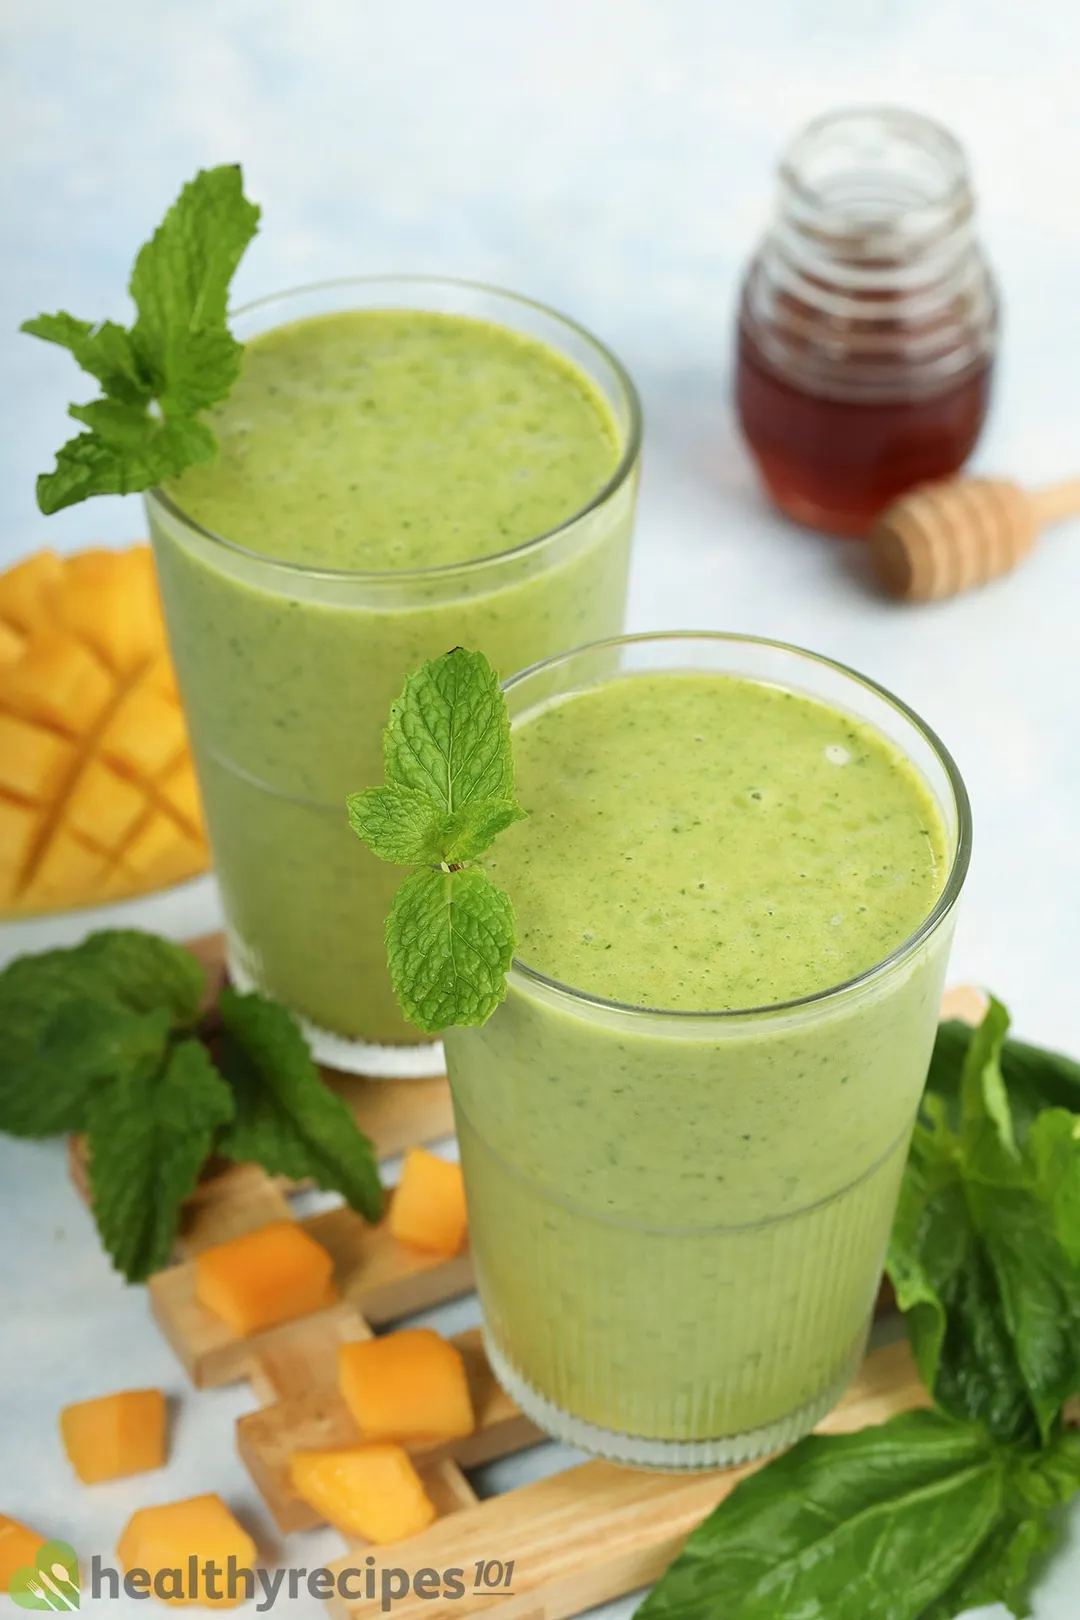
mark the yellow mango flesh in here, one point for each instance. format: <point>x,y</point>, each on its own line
<point>18,1547</point>
<point>428,1207</point>
<point>115,1435</point>
<point>372,1492</point>
<point>265,1277</point>
<point>97,792</point>
<point>166,1537</point>
<point>407,1386</point>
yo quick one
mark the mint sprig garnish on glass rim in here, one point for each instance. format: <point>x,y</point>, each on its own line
<point>178,359</point>
<point>449,792</point>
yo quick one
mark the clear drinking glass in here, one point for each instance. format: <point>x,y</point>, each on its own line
<point>666,1280</point>
<point>304,901</point>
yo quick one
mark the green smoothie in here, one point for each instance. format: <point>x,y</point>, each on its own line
<point>679,1221</point>
<point>385,482</point>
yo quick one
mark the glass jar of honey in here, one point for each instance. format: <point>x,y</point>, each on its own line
<point>868,320</point>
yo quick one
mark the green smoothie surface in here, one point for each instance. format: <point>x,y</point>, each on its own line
<point>398,439</point>
<point>704,842</point>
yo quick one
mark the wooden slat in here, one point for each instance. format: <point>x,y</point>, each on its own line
<point>304,1360</point>
<point>447,1487</point>
<point>385,1279</point>
<point>965,1002</point>
<point>316,1418</point>
<point>596,1532</point>
<point>238,1201</point>
<point>376,1277</point>
<point>210,950</point>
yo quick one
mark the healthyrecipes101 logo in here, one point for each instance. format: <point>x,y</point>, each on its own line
<point>52,1582</point>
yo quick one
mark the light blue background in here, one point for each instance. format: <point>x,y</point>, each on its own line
<point>613,157</point>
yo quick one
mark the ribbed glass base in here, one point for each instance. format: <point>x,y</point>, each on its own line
<point>419,1062</point>
<point>667,1456</point>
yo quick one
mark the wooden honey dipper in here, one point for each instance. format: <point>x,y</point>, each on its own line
<point>941,539</point>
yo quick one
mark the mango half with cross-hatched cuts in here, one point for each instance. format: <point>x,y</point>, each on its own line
<point>98,799</point>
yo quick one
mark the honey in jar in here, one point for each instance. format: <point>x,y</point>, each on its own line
<point>868,320</point>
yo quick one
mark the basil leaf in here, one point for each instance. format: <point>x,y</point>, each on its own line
<point>878,1525</point>
<point>982,1255</point>
<point>1003,1568</point>
<point>1035,1078</point>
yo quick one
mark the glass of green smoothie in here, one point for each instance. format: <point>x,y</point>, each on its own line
<point>683,1132</point>
<point>405,464</point>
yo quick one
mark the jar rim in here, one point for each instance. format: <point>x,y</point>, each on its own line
<point>944,184</point>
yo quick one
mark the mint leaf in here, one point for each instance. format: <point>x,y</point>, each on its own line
<point>60,1012</point>
<point>449,792</point>
<point>287,1120</point>
<point>469,831</point>
<point>449,733</point>
<point>398,824</point>
<point>983,1254</point>
<point>180,286</point>
<point>150,1130</point>
<point>107,352</point>
<point>178,359</point>
<point>140,971</point>
<point>449,943</point>
<point>78,1045</point>
<point>883,1522</point>
<point>131,458</point>
<point>404,826</point>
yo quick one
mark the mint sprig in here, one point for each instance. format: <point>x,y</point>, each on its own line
<point>177,360</point>
<point>111,1039</point>
<point>449,792</point>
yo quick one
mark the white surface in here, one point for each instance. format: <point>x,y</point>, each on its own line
<point>614,158</point>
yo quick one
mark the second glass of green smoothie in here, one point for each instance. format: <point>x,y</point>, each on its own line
<point>406,465</point>
<point>683,1131</point>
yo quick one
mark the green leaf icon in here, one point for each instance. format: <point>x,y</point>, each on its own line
<point>51,1581</point>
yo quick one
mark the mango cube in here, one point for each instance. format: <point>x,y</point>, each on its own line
<point>428,1207</point>
<point>372,1492</point>
<point>265,1277</point>
<point>407,1386</point>
<point>115,1435</point>
<point>18,1547</point>
<point>166,1538</point>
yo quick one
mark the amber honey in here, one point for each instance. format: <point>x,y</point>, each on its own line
<point>833,464</point>
<point>868,321</point>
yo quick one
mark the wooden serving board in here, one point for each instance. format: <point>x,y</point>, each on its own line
<point>578,1538</point>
